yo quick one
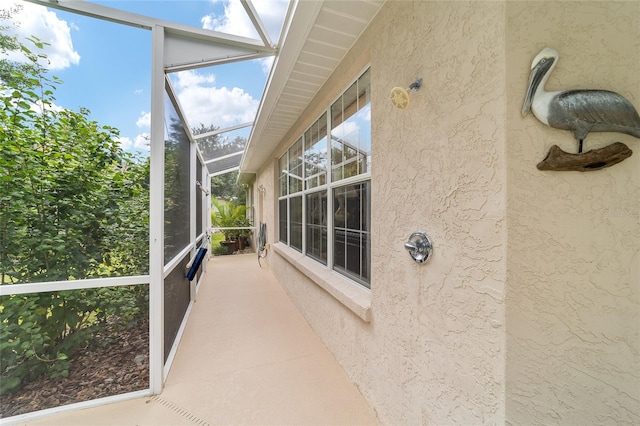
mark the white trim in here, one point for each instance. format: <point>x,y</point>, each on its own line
<point>175,261</point>
<point>9,289</point>
<point>224,157</point>
<point>212,62</point>
<point>22,418</point>
<point>156,214</point>
<point>225,130</point>
<point>222,172</point>
<point>257,22</point>
<point>193,205</point>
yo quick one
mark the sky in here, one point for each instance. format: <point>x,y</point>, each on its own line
<point>106,67</point>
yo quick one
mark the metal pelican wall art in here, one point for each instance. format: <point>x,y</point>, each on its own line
<point>581,111</point>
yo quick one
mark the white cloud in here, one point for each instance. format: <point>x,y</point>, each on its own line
<point>207,104</point>
<point>144,120</point>
<point>125,143</point>
<point>236,21</point>
<point>352,126</point>
<point>345,129</point>
<point>192,78</point>
<point>142,141</point>
<point>40,107</point>
<point>34,20</point>
<point>266,63</point>
<point>364,113</point>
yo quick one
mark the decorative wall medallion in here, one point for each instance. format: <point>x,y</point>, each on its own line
<point>581,111</point>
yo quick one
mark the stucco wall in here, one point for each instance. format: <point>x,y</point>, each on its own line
<point>573,313</point>
<point>528,312</point>
<point>433,352</point>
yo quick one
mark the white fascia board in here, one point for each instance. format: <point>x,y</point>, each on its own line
<point>295,33</point>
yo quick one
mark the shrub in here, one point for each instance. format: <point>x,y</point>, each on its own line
<point>73,205</point>
<point>230,215</point>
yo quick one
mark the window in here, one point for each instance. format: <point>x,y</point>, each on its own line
<point>351,231</point>
<point>325,186</point>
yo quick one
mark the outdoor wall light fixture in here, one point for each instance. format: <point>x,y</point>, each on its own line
<point>400,96</point>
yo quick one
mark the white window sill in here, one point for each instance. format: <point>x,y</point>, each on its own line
<point>354,296</point>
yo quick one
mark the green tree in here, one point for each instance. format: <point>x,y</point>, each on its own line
<point>63,179</point>
<point>227,214</point>
<point>9,43</point>
<point>73,205</point>
<point>223,186</point>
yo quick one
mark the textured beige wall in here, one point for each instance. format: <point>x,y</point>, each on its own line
<point>266,203</point>
<point>528,312</point>
<point>573,312</point>
<point>434,350</point>
<point>437,168</point>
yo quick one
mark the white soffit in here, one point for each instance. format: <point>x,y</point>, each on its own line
<point>314,41</point>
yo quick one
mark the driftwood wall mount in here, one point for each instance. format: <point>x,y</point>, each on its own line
<point>597,159</point>
<point>581,111</point>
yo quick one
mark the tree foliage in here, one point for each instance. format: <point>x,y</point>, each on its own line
<point>223,186</point>
<point>73,205</point>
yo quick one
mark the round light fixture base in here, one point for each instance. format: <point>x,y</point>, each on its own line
<point>400,98</point>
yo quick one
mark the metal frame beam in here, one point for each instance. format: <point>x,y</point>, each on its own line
<point>256,21</point>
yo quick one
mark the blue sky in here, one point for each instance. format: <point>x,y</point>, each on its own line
<point>106,67</point>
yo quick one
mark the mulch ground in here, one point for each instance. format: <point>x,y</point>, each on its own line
<point>96,371</point>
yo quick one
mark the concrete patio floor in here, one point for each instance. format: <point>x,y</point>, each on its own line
<point>247,357</point>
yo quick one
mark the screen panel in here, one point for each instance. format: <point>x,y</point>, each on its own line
<point>177,185</point>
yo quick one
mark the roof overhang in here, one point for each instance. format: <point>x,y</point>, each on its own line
<point>315,39</point>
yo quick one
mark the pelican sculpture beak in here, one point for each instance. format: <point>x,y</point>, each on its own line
<point>535,78</point>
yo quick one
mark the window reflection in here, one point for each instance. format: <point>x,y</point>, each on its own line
<point>295,167</point>
<point>351,131</point>
<point>315,154</point>
<point>317,226</point>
